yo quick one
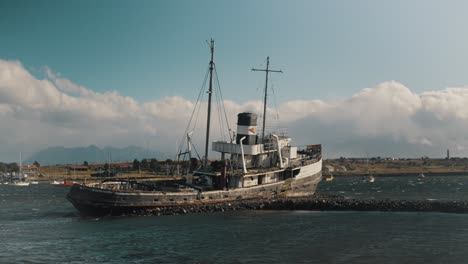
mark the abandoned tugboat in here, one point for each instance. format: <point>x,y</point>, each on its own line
<point>251,167</point>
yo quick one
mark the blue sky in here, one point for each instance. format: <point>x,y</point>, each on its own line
<point>110,73</point>
<point>327,49</point>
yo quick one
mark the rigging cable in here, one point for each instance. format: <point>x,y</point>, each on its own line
<point>275,106</point>
<point>222,100</point>
<point>220,116</point>
<point>197,115</point>
<point>200,95</point>
<point>218,108</point>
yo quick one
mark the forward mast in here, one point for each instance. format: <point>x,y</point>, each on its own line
<point>267,71</point>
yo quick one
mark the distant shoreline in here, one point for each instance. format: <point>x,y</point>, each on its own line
<point>382,167</point>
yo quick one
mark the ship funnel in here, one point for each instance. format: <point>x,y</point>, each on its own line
<point>247,127</point>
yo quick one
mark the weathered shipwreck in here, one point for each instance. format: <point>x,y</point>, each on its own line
<point>252,166</point>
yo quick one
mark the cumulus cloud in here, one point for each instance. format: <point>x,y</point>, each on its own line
<point>390,120</point>
<point>386,120</point>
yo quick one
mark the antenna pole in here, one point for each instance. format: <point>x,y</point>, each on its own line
<point>20,167</point>
<point>267,70</point>
<point>265,98</point>
<point>210,92</point>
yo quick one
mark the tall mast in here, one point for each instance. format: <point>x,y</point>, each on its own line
<point>210,92</point>
<point>267,70</point>
<point>20,167</point>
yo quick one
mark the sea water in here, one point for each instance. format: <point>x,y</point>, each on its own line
<point>38,225</point>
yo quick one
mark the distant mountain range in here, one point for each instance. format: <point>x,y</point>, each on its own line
<point>91,154</point>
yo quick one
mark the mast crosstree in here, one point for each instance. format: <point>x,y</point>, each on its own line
<point>267,71</point>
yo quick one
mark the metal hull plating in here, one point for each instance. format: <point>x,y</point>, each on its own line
<point>98,201</point>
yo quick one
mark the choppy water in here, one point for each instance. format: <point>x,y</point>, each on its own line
<point>37,225</point>
<point>401,187</point>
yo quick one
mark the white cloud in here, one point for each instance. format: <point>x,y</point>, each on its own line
<point>450,103</point>
<point>384,120</point>
<point>66,85</point>
<point>390,115</point>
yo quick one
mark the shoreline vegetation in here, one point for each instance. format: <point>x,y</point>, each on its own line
<point>148,169</point>
<point>152,169</point>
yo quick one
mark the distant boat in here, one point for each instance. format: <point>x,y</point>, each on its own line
<point>19,183</point>
<point>421,175</point>
<point>34,182</point>
<point>20,175</point>
<point>55,182</point>
<point>329,178</point>
<point>64,183</point>
<point>371,177</point>
<point>67,184</point>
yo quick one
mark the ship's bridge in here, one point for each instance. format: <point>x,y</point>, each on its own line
<point>228,147</point>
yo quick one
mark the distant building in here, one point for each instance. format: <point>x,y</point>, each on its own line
<point>29,169</point>
<point>124,166</point>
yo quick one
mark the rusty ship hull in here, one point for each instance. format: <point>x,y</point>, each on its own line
<point>110,200</point>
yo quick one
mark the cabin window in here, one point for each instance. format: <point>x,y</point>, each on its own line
<point>260,180</point>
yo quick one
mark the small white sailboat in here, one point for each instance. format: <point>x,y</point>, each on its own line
<point>421,175</point>
<point>371,177</point>
<point>20,182</point>
<point>34,182</point>
<point>55,182</point>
